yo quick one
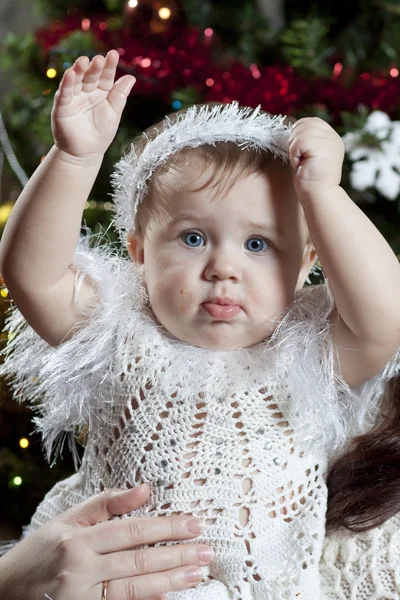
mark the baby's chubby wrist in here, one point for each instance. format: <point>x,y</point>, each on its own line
<point>88,160</point>
<point>318,193</point>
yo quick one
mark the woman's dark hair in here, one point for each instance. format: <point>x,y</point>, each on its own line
<point>364,483</point>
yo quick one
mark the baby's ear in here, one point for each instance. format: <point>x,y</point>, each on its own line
<point>309,259</point>
<point>312,257</point>
<point>135,247</point>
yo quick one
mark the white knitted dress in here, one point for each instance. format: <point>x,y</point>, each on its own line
<point>242,438</point>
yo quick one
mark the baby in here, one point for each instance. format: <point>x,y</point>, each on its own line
<point>203,366</point>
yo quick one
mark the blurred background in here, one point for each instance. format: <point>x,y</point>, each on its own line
<point>334,59</point>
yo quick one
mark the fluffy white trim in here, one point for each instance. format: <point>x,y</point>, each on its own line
<point>66,385</point>
<point>198,126</point>
<point>329,412</point>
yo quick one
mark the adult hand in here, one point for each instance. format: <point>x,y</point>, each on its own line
<point>71,555</point>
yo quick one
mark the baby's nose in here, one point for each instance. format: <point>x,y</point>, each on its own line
<point>223,267</point>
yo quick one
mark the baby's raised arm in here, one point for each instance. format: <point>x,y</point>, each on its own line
<point>42,232</point>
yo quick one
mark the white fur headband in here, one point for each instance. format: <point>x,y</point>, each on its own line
<point>248,127</point>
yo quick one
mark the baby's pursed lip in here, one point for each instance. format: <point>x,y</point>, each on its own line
<point>225,300</point>
<point>222,308</point>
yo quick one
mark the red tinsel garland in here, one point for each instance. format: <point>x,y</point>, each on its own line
<point>182,56</point>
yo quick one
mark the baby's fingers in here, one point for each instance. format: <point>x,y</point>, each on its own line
<point>66,89</point>
<point>92,75</point>
<point>101,72</point>
<point>107,77</point>
<point>119,93</point>
<point>71,82</point>
<point>80,67</point>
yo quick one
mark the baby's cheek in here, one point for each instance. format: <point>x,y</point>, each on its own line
<point>175,292</point>
<point>181,292</point>
<point>185,301</point>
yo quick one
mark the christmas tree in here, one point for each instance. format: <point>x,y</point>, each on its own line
<point>334,60</point>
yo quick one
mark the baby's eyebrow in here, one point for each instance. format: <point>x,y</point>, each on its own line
<point>185,217</point>
<point>268,228</point>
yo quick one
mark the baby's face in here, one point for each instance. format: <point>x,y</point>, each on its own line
<point>217,271</point>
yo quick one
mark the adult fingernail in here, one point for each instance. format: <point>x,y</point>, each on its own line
<point>196,525</point>
<point>205,553</point>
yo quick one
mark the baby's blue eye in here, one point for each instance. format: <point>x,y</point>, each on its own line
<point>193,239</point>
<point>256,244</point>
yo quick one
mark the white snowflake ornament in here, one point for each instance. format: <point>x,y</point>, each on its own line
<point>375,150</point>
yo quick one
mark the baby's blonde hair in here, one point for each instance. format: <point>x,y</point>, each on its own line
<point>227,160</point>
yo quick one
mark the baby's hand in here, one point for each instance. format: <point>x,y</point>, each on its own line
<point>316,154</point>
<point>88,105</point>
